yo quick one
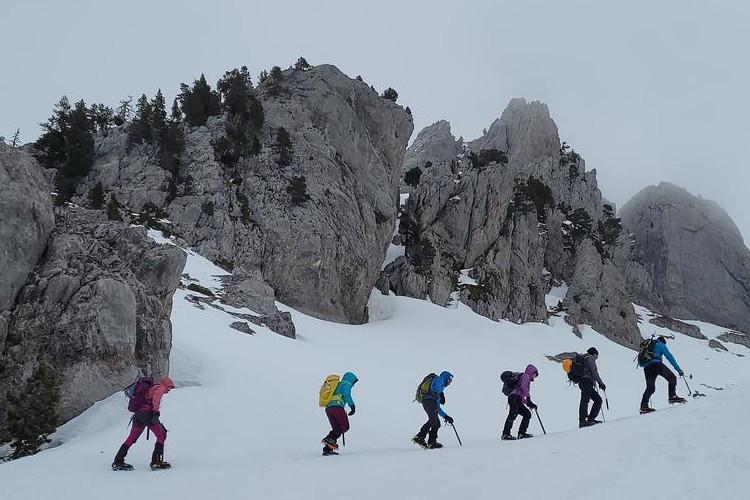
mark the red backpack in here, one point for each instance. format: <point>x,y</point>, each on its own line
<point>137,392</point>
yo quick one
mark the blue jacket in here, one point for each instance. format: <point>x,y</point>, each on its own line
<point>660,349</point>
<point>343,393</point>
<point>438,385</point>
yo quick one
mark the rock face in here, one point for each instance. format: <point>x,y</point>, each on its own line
<point>512,225</point>
<point>434,144</point>
<point>322,255</point>
<point>25,222</point>
<point>94,302</point>
<point>693,255</point>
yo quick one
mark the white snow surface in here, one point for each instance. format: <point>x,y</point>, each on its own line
<point>244,422</point>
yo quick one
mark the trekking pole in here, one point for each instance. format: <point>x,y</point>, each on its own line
<point>343,436</point>
<point>459,439</point>
<point>604,419</point>
<point>687,385</point>
<point>605,399</point>
<point>540,420</point>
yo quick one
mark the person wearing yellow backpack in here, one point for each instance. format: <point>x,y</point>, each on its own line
<point>334,396</point>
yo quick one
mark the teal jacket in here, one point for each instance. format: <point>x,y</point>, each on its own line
<point>343,393</point>
<point>660,349</point>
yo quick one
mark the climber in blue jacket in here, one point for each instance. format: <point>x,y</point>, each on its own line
<point>655,367</point>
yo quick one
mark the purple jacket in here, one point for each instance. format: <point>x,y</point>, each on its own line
<point>524,383</point>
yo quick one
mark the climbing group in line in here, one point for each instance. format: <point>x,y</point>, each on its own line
<point>144,398</point>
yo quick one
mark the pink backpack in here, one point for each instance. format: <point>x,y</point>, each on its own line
<point>137,392</point>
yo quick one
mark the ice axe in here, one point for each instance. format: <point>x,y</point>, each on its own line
<point>540,420</point>
<point>688,386</point>
<point>454,430</point>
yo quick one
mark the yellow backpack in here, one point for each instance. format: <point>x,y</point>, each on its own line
<point>327,389</point>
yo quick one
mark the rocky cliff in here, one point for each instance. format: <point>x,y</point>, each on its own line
<point>90,297</point>
<point>693,261</point>
<point>514,211</point>
<point>321,254</point>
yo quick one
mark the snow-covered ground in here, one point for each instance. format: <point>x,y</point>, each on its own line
<point>244,422</point>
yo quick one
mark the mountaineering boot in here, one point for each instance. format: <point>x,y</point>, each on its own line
<point>157,458</point>
<point>583,423</point>
<point>434,446</point>
<point>524,435</point>
<point>593,422</point>
<point>508,437</point>
<point>328,451</point>
<point>330,443</point>
<point>119,462</point>
<point>647,410</point>
<point>419,440</point>
<point>677,399</point>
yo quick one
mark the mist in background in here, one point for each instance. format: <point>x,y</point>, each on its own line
<point>645,91</point>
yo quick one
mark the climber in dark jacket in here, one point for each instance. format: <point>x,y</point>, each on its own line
<point>588,392</point>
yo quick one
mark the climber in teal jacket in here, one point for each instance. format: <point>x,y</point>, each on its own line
<point>656,368</point>
<point>336,414</point>
<point>342,396</point>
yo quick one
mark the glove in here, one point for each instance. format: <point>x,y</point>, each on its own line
<point>532,406</point>
<point>682,373</point>
<point>449,419</point>
<point>603,386</point>
<point>352,410</point>
<point>442,398</point>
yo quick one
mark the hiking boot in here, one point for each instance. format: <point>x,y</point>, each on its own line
<point>434,446</point>
<point>419,440</point>
<point>161,464</point>
<point>508,437</point>
<point>593,422</point>
<point>119,462</point>
<point>583,423</point>
<point>677,399</point>
<point>524,435</point>
<point>330,443</point>
<point>328,451</point>
<point>647,410</point>
<point>121,466</point>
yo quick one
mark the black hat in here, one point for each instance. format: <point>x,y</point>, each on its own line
<point>593,351</point>
<point>662,339</point>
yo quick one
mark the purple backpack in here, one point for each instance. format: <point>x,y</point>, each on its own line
<point>136,393</point>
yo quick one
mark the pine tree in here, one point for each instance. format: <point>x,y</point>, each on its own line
<point>16,139</point>
<point>33,412</point>
<point>176,115</point>
<point>297,190</point>
<point>274,81</point>
<point>390,94</point>
<point>284,147</point>
<point>140,128</point>
<point>96,196</point>
<point>158,118</point>
<point>113,209</point>
<point>199,102</point>
<point>412,176</point>
<point>124,111</point>
<point>301,64</point>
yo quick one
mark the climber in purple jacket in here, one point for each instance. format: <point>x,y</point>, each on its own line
<point>520,403</point>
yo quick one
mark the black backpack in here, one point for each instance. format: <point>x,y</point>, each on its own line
<point>510,381</point>
<point>576,369</point>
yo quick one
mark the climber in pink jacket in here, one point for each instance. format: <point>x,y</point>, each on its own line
<point>146,401</point>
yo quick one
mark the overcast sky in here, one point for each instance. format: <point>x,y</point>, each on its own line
<point>646,91</point>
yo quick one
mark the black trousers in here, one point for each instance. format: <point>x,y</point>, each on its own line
<point>658,370</point>
<point>430,428</point>
<point>517,408</point>
<point>588,394</point>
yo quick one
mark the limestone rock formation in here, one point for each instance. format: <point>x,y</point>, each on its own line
<point>321,253</point>
<point>434,144</point>
<point>96,307</point>
<point>693,254</point>
<point>513,211</point>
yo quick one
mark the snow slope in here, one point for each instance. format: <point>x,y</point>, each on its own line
<point>244,422</point>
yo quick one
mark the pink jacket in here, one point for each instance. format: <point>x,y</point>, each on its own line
<point>158,390</point>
